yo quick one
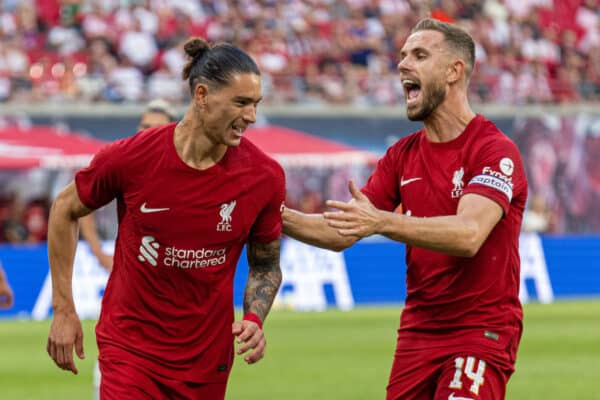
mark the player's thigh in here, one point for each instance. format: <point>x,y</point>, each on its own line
<point>413,376</point>
<point>124,382</point>
<point>467,377</point>
<point>177,390</point>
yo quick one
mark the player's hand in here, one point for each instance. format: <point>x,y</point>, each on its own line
<point>6,294</point>
<point>358,217</point>
<point>65,332</point>
<point>252,337</point>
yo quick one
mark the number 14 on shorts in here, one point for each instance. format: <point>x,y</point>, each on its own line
<point>473,369</point>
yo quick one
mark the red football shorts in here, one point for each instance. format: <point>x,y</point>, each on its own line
<point>417,375</point>
<point>121,381</point>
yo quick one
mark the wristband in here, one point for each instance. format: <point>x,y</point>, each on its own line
<point>254,318</point>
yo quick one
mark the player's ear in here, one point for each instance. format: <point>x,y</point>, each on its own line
<point>455,71</point>
<point>200,95</point>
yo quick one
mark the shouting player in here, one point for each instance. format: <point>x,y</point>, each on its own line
<point>462,187</point>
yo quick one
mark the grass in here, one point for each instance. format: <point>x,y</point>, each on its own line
<point>333,355</point>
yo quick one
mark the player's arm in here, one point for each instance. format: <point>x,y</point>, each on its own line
<point>460,235</point>
<point>63,227</point>
<point>87,224</point>
<point>6,294</point>
<point>264,279</point>
<point>314,230</point>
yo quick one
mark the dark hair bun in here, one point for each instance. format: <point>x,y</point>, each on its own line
<point>196,47</point>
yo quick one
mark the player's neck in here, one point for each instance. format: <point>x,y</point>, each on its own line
<point>448,120</point>
<point>194,147</point>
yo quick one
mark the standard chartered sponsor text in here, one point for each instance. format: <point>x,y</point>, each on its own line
<point>194,258</point>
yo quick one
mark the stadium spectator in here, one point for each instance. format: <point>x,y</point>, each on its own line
<point>125,82</point>
<point>138,46</point>
<point>532,84</point>
<point>14,229</point>
<point>590,85</point>
<point>6,293</point>
<point>462,321</point>
<point>96,24</point>
<point>167,326</point>
<point>164,84</point>
<point>537,217</point>
<point>35,220</point>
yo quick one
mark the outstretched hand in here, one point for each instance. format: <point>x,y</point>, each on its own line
<point>252,337</point>
<point>358,217</point>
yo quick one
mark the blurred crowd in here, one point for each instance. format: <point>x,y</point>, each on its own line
<point>561,159</point>
<point>23,221</point>
<point>310,51</point>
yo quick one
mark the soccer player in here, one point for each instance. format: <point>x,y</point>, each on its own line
<point>189,196</point>
<point>462,187</point>
<point>6,293</point>
<point>158,112</point>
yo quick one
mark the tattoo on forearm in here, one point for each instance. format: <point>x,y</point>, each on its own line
<point>264,278</point>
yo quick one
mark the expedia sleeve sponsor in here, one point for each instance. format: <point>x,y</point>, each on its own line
<point>495,183</point>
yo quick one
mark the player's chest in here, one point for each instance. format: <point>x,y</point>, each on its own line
<point>432,186</point>
<point>215,210</point>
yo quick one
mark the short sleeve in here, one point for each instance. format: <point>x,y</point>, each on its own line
<point>498,173</point>
<point>268,224</point>
<point>382,186</point>
<point>100,182</point>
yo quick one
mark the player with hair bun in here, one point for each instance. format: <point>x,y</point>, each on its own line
<point>190,195</point>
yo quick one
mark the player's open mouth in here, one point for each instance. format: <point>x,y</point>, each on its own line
<point>238,130</point>
<point>412,89</point>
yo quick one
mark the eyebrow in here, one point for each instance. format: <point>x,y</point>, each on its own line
<point>403,53</point>
<point>247,99</point>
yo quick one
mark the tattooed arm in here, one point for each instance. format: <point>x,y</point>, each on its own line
<point>264,278</point>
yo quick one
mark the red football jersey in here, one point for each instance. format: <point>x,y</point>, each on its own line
<point>168,304</point>
<point>447,294</point>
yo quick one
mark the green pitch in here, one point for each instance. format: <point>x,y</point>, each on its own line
<point>333,355</point>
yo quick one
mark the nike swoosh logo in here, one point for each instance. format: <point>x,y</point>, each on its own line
<point>145,209</point>
<point>406,182</point>
<point>453,397</point>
